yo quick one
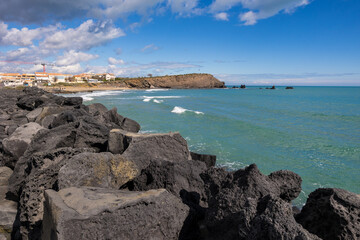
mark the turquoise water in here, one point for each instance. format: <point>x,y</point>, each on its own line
<point>313,131</point>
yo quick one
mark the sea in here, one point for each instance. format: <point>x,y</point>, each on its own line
<point>313,131</point>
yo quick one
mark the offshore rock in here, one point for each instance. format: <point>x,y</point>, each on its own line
<point>112,214</point>
<point>97,170</point>
<point>332,213</point>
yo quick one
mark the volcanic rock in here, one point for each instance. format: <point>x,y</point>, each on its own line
<point>112,214</point>
<point>19,141</point>
<point>209,160</point>
<point>332,213</point>
<point>8,209</point>
<point>97,170</point>
<point>142,148</point>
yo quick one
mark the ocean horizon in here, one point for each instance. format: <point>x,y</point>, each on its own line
<point>311,130</point>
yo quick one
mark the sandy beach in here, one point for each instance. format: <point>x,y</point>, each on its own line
<point>82,88</point>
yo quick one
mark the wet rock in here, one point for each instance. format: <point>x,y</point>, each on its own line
<point>19,141</point>
<point>332,213</point>
<point>112,214</point>
<point>97,170</point>
<point>209,160</point>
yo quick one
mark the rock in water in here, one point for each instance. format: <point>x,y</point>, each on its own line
<point>332,213</point>
<point>97,170</point>
<point>96,213</point>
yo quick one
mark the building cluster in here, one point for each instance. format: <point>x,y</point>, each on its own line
<point>44,78</point>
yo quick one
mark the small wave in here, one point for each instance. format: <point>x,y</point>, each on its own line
<point>180,110</point>
<point>147,100</point>
<point>162,97</point>
<point>158,101</point>
<point>156,90</point>
<point>90,96</point>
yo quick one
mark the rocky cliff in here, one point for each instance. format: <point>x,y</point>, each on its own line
<point>176,81</point>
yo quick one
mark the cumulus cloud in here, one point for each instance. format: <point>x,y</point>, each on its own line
<point>70,69</point>
<point>89,34</point>
<point>257,9</point>
<point>24,36</point>
<point>222,16</point>
<point>73,57</point>
<point>114,61</point>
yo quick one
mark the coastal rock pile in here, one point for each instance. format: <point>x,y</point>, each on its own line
<point>70,171</point>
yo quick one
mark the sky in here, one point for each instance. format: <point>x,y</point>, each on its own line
<point>253,42</point>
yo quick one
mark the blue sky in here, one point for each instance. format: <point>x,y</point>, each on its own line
<point>253,42</point>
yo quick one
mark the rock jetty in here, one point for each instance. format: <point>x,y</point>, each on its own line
<point>70,171</point>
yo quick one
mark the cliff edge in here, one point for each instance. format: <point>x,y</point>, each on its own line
<point>176,81</point>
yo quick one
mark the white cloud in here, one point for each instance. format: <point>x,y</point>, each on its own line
<point>150,48</point>
<point>114,61</point>
<point>257,9</point>
<point>69,69</point>
<point>184,7</point>
<point>73,57</point>
<point>222,16</point>
<point>89,34</point>
<point>24,36</point>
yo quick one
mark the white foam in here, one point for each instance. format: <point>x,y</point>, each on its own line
<point>156,90</point>
<point>90,96</point>
<point>162,97</point>
<point>147,100</point>
<point>158,101</point>
<point>180,110</point>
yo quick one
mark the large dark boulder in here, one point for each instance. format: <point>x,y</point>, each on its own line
<point>209,160</point>
<point>332,213</point>
<point>96,213</point>
<point>274,220</point>
<point>180,178</point>
<point>142,148</point>
<point>233,199</point>
<point>41,173</point>
<point>18,142</point>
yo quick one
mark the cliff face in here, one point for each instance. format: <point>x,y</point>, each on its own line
<point>176,81</point>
